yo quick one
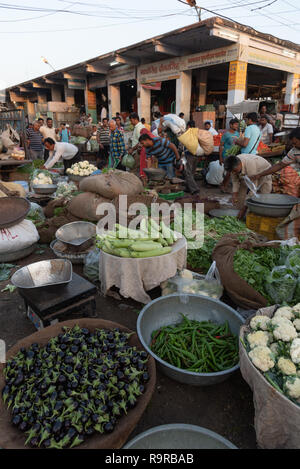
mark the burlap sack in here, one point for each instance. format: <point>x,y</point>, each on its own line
<point>206,141</point>
<point>10,186</point>
<point>277,419</point>
<point>12,438</point>
<point>112,184</point>
<point>239,291</point>
<point>84,206</point>
<point>52,205</point>
<point>290,227</point>
<point>48,229</point>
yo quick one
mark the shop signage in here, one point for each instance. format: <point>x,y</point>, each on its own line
<point>153,86</point>
<point>237,75</point>
<point>269,60</point>
<point>170,69</point>
<point>120,74</point>
<point>76,84</point>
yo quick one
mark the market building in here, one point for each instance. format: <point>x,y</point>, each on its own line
<point>196,70</point>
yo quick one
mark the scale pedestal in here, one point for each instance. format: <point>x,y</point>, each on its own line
<point>45,305</point>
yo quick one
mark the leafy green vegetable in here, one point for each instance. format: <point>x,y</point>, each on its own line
<point>58,211</point>
<point>10,288</point>
<point>5,271</point>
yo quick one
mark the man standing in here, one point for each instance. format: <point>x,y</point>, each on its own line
<point>135,147</point>
<point>60,150</point>
<point>228,139</point>
<point>266,130</point>
<point>165,152</point>
<point>117,146</point>
<point>48,131</point>
<point>247,165</point>
<point>250,141</point>
<point>35,142</point>
<point>64,133</point>
<point>103,138</point>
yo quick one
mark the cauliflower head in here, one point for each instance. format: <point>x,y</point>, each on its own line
<point>260,323</point>
<point>295,351</point>
<point>283,329</point>
<point>274,348</point>
<point>259,338</point>
<point>292,387</point>
<point>285,312</point>
<point>297,324</point>
<point>262,358</point>
<point>286,366</point>
<point>296,310</point>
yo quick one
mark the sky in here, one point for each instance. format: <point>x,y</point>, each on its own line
<point>68,32</point>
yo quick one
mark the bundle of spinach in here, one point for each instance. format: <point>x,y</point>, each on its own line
<point>255,266</point>
<point>214,230</point>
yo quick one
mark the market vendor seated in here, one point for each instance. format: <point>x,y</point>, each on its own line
<point>69,153</point>
<point>247,165</point>
<point>165,152</point>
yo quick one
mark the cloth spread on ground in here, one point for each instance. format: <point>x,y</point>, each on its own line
<point>134,277</point>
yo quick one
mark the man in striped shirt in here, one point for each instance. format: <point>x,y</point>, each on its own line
<point>35,142</point>
<point>165,152</point>
<point>117,146</point>
<point>103,138</point>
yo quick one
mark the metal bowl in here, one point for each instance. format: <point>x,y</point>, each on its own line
<point>267,210</point>
<point>225,212</point>
<point>155,174</point>
<point>74,178</point>
<point>44,188</point>
<point>275,199</point>
<point>43,274</point>
<point>75,258</point>
<point>76,233</point>
<point>179,435</point>
<point>166,311</point>
<point>13,210</point>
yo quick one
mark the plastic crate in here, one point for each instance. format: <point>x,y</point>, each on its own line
<point>265,226</point>
<point>172,196</point>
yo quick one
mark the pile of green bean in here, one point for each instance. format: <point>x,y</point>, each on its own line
<point>201,347</point>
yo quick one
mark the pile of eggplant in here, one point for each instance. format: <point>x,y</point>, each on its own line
<point>77,385</point>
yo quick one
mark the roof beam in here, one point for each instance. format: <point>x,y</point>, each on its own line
<point>22,89</point>
<point>96,69</point>
<point>168,50</point>
<point>76,76</point>
<point>36,84</point>
<point>122,59</point>
<point>54,81</point>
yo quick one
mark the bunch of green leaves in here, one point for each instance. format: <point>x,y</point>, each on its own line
<point>5,271</point>
<point>214,230</point>
<point>31,167</point>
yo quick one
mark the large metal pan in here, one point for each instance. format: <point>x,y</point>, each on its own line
<point>167,310</point>
<point>267,210</point>
<point>275,199</point>
<point>76,233</point>
<point>43,274</point>
<point>13,210</point>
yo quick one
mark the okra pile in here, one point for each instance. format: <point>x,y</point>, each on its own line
<point>76,386</point>
<point>200,347</point>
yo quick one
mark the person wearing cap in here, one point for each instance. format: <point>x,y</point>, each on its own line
<point>64,133</point>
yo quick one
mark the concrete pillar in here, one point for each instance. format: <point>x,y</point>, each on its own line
<point>56,93</point>
<point>292,91</point>
<point>30,111</point>
<point>42,97</point>
<point>144,103</point>
<point>69,96</point>
<point>114,100</point>
<point>202,87</point>
<point>237,83</point>
<point>90,102</point>
<point>184,94</point>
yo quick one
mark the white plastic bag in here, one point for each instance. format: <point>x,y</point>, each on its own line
<point>18,237</point>
<point>200,151</point>
<point>91,265</point>
<point>175,123</point>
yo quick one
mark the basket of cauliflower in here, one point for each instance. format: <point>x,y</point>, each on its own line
<point>80,170</point>
<point>270,363</point>
<point>42,183</point>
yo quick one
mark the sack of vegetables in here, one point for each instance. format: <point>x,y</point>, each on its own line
<point>83,383</point>
<point>269,362</point>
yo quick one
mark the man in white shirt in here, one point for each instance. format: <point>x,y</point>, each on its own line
<point>266,130</point>
<point>208,126</point>
<point>215,174</point>
<point>135,149</point>
<point>68,152</point>
<point>48,131</point>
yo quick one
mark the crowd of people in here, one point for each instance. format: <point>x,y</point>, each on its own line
<point>154,142</point>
